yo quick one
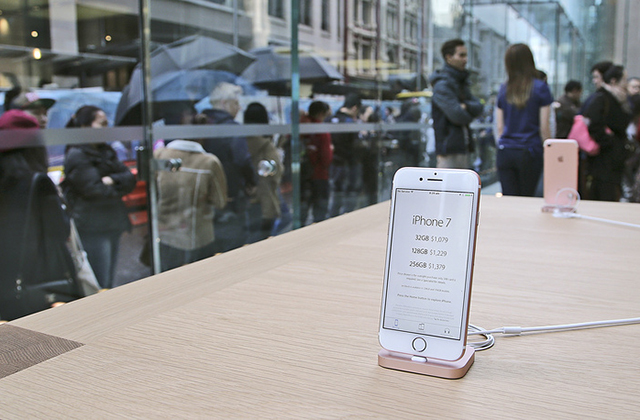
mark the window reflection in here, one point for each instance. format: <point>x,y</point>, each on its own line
<point>90,54</point>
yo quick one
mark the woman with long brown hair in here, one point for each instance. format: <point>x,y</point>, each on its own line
<point>523,123</point>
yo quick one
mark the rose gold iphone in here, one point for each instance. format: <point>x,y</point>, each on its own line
<point>560,173</point>
<point>429,262</point>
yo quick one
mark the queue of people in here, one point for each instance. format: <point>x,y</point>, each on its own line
<point>526,115</point>
<point>227,192</point>
<point>612,113</point>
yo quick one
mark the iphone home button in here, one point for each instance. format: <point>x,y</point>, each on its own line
<point>419,344</point>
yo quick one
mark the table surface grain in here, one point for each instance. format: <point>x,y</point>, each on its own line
<point>287,328</point>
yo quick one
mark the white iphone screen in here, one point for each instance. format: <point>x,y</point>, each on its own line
<point>428,262</point>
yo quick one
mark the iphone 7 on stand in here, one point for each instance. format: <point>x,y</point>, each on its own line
<point>429,263</point>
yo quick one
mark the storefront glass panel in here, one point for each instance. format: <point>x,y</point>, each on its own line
<point>152,65</point>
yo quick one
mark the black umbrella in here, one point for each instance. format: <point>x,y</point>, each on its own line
<point>407,81</point>
<point>179,74</point>
<point>272,69</point>
<point>174,89</point>
<point>199,52</point>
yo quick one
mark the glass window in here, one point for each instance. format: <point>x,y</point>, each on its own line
<point>367,57</point>
<point>411,28</point>
<point>367,13</point>
<point>357,16</point>
<point>90,53</point>
<point>326,15</point>
<point>276,8</point>
<point>392,22</point>
<point>392,54</point>
<point>25,24</point>
<point>305,12</point>
<point>100,30</point>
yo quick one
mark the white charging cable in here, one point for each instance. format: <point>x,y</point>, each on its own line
<point>485,344</point>
<point>568,215</point>
<point>490,340</point>
<point>568,210</point>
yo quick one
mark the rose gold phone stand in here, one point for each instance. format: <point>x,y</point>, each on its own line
<point>433,367</point>
<point>551,208</point>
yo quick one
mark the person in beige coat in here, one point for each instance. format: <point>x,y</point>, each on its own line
<point>264,208</point>
<point>187,200</point>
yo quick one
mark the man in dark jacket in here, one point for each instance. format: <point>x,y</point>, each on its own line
<point>345,168</point>
<point>233,152</point>
<point>597,78</point>
<point>453,107</point>
<point>567,107</point>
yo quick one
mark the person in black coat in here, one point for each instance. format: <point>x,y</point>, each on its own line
<point>26,230</point>
<point>346,167</point>
<point>609,115</point>
<point>95,182</point>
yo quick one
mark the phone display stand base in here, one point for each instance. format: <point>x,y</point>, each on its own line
<point>434,367</point>
<point>551,208</point>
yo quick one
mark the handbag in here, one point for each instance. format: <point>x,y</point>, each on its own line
<point>85,276</point>
<point>580,133</point>
<point>48,275</point>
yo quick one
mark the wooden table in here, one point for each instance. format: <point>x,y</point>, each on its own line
<point>287,328</point>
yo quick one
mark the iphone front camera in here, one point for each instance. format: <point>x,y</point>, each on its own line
<point>421,178</point>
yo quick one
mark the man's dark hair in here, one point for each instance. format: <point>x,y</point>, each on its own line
<point>601,67</point>
<point>256,113</point>
<point>83,117</point>
<point>572,85</point>
<point>542,75</point>
<point>351,100</point>
<point>449,47</point>
<point>318,108</point>
<point>614,72</point>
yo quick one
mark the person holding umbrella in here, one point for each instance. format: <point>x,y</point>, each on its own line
<point>230,224</point>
